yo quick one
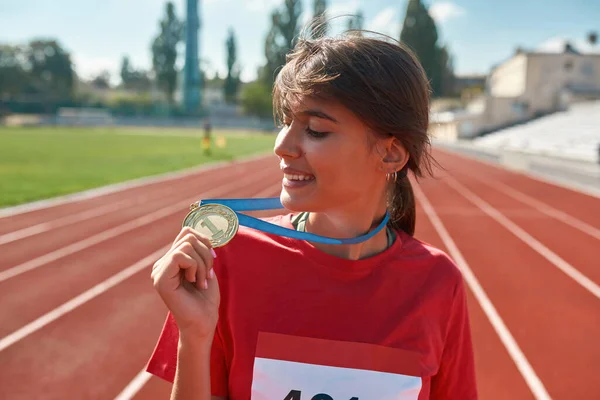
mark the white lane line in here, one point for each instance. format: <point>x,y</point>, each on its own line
<point>533,381</point>
<point>554,181</point>
<point>123,228</point>
<point>84,297</point>
<point>519,232</point>
<point>67,220</point>
<point>134,386</point>
<point>541,206</point>
<point>122,186</point>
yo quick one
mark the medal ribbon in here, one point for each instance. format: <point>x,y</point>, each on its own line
<point>273,203</point>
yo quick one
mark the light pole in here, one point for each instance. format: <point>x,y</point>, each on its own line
<point>192,86</point>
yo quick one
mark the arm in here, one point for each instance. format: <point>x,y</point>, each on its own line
<point>192,366</point>
<point>187,354</point>
<point>192,377</point>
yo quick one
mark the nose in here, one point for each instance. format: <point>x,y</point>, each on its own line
<point>287,144</point>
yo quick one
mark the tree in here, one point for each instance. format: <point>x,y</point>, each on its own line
<point>164,52</point>
<point>102,80</point>
<point>13,77</point>
<point>50,69</point>
<point>125,70</point>
<point>256,99</point>
<point>419,32</point>
<point>446,64</point>
<point>320,26</point>
<point>132,78</point>
<point>355,23</point>
<point>281,37</point>
<point>38,76</point>
<point>232,80</point>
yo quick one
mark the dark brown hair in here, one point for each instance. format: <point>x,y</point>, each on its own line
<point>379,80</point>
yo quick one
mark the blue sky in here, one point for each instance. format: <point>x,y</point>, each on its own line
<point>98,33</point>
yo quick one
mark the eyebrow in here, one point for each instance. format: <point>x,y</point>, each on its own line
<point>318,114</point>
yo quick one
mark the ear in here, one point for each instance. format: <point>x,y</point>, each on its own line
<point>394,155</point>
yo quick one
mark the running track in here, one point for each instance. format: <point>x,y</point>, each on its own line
<point>80,317</point>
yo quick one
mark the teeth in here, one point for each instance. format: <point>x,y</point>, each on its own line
<point>297,177</point>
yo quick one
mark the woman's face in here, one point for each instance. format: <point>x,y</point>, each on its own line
<point>327,160</point>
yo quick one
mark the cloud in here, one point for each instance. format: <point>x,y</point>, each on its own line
<point>445,10</point>
<point>386,22</point>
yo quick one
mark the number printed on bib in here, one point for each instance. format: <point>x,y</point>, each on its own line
<point>298,368</point>
<point>297,395</point>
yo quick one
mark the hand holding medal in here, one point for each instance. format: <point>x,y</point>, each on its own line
<point>185,281</point>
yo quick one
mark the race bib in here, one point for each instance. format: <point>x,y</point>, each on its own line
<point>299,368</point>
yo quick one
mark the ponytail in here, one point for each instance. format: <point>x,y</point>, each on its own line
<point>402,207</point>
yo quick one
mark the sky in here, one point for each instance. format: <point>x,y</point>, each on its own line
<point>98,33</point>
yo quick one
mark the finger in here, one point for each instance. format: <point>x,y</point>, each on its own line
<point>203,251</point>
<point>205,264</point>
<point>177,260</point>
<point>210,257</point>
<point>158,262</point>
<point>202,247</point>
<point>202,238</point>
<point>183,232</point>
<point>186,263</point>
<point>192,248</point>
<point>173,267</point>
<point>198,252</point>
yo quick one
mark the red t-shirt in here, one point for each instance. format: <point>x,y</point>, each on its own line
<point>300,324</point>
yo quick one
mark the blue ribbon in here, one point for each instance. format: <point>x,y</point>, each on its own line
<point>273,203</point>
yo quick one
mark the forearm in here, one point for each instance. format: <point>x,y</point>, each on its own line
<point>192,379</point>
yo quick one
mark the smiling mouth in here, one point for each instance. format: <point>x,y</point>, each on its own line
<point>296,181</point>
<point>298,178</point>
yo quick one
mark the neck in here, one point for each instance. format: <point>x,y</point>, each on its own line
<point>349,224</point>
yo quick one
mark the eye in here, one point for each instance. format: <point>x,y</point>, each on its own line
<point>316,134</point>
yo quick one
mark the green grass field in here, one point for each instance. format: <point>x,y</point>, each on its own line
<point>39,163</point>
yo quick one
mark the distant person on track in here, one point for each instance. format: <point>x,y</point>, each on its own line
<point>207,137</point>
<point>270,317</point>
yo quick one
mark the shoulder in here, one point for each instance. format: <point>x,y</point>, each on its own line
<point>431,261</point>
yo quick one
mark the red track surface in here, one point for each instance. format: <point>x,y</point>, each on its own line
<point>96,348</point>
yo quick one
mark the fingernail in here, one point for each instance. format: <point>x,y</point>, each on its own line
<point>194,279</point>
<point>205,284</point>
<point>211,273</point>
<point>212,251</point>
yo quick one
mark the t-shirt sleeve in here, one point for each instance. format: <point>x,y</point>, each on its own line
<point>456,376</point>
<point>163,362</point>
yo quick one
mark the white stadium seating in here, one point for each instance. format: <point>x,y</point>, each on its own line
<point>573,134</point>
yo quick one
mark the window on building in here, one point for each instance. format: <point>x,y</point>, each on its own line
<point>569,66</point>
<point>587,69</point>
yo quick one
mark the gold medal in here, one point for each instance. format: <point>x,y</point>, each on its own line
<point>217,222</point>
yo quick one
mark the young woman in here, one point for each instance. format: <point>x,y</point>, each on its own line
<point>269,317</point>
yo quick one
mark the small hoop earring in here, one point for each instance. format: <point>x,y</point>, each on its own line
<point>388,176</point>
